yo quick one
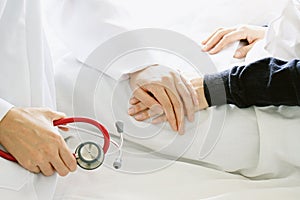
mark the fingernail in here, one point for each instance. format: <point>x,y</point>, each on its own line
<point>213,51</point>
<point>131,111</point>
<point>204,48</point>
<point>191,118</point>
<point>175,128</point>
<point>139,117</point>
<point>181,131</point>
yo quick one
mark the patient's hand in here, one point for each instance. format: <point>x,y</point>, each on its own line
<point>161,90</point>
<point>224,36</point>
<point>146,103</point>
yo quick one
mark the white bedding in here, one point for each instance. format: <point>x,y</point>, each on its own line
<point>258,143</point>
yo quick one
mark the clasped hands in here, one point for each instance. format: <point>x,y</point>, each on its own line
<point>165,94</point>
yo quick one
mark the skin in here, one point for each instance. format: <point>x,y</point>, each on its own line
<point>159,89</point>
<point>189,91</point>
<point>219,39</point>
<point>29,135</point>
<point>197,84</point>
<point>141,105</point>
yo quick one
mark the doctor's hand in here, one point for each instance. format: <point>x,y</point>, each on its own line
<point>162,92</point>
<point>197,84</point>
<point>224,36</point>
<point>29,135</point>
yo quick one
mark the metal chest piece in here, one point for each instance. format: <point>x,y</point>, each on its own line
<point>89,155</point>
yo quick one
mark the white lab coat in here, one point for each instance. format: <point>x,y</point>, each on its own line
<point>26,68</point>
<point>26,80</point>
<point>26,76</point>
<point>283,36</point>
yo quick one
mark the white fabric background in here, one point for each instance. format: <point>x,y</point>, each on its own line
<point>257,142</point>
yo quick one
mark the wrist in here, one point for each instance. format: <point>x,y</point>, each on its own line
<point>198,86</point>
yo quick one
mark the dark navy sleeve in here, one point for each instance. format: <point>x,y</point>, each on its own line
<point>269,81</point>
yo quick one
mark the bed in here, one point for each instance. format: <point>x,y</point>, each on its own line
<point>227,153</point>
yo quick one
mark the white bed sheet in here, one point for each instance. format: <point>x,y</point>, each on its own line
<point>260,143</point>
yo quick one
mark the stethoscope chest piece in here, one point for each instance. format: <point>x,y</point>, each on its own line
<point>89,155</point>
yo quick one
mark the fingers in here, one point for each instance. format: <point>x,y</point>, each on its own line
<point>52,115</point>
<point>177,107</point>
<point>242,51</point>
<point>35,169</point>
<point>215,38</point>
<point>227,39</point>
<point>62,161</point>
<point>186,97</point>
<point>55,115</point>
<point>64,165</point>
<point>136,108</point>
<point>159,103</point>
<point>210,36</point>
<point>148,101</point>
<point>160,93</point>
<point>46,168</point>
<point>134,101</point>
<point>169,96</point>
<point>222,37</point>
<point>66,161</point>
<point>191,89</point>
<point>159,119</point>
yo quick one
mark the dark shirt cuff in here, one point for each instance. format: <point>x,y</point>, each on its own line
<point>215,89</point>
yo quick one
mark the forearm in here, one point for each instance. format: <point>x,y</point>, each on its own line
<point>265,82</point>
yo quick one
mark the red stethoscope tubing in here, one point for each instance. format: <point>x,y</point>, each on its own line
<point>69,120</point>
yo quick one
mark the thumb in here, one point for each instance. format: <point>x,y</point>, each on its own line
<point>242,51</point>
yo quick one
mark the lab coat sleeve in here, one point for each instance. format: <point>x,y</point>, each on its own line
<point>4,108</point>
<point>283,36</point>
<point>84,25</point>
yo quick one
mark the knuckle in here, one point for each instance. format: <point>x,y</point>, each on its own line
<point>46,110</point>
<point>40,157</point>
<point>243,27</point>
<point>222,31</point>
<point>27,164</point>
<point>57,139</point>
<point>226,38</point>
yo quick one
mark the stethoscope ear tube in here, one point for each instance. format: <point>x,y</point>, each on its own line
<point>101,128</point>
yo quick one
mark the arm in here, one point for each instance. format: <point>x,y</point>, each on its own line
<point>265,82</point>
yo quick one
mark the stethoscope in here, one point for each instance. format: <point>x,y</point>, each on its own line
<point>89,155</point>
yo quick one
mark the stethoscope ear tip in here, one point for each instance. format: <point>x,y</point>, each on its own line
<point>120,126</point>
<point>117,163</point>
